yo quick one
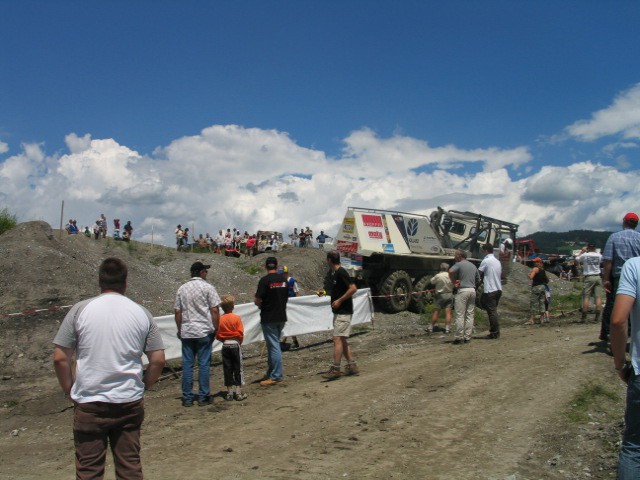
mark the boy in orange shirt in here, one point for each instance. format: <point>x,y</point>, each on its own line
<point>231,333</point>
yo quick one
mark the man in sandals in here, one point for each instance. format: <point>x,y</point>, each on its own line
<point>342,290</point>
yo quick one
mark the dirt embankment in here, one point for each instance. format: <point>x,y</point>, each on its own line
<point>541,402</point>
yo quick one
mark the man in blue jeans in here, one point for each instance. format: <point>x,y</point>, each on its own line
<point>196,314</point>
<point>271,298</point>
<point>627,303</point>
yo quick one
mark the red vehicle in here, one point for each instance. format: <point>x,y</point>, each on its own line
<point>525,247</point>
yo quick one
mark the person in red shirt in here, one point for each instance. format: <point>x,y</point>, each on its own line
<point>231,333</point>
<point>250,245</point>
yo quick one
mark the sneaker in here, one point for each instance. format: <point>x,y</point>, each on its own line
<point>241,396</point>
<point>429,330</point>
<point>205,402</point>
<point>458,341</point>
<point>333,373</point>
<point>187,403</point>
<point>269,382</point>
<point>351,369</point>
<point>447,331</point>
<point>229,396</point>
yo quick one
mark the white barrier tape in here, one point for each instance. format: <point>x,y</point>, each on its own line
<point>62,307</point>
<point>34,311</point>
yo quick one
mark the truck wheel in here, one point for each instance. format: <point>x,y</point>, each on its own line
<point>398,286</point>
<point>419,300</point>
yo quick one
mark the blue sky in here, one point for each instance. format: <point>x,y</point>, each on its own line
<point>281,114</point>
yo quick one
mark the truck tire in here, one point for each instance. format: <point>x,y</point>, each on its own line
<point>419,300</point>
<point>398,286</point>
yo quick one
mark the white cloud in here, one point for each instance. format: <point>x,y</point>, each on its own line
<point>230,176</point>
<point>622,118</point>
<point>399,153</point>
<point>77,144</point>
<point>4,148</point>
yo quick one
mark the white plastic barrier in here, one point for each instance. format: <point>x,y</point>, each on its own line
<point>307,314</point>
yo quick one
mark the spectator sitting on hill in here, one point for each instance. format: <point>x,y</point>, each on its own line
<point>202,242</point>
<point>128,231</point>
<point>72,227</point>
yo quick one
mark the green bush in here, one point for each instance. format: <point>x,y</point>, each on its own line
<point>7,220</point>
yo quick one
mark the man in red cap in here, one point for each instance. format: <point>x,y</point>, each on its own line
<point>620,247</point>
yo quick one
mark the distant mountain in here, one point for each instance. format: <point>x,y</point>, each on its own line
<point>565,242</point>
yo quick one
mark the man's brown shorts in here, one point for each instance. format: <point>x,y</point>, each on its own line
<point>341,325</point>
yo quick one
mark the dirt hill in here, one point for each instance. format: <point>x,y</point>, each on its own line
<point>542,402</point>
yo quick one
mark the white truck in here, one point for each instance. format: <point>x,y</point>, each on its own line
<point>397,253</point>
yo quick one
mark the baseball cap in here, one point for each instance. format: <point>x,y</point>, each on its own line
<point>197,267</point>
<point>630,217</point>
<point>271,262</point>
<point>536,260</point>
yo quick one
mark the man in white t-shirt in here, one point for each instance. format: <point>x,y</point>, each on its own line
<point>108,335</point>
<point>592,279</point>
<point>491,271</point>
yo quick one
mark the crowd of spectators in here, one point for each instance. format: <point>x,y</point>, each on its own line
<point>233,242</point>
<point>303,238</point>
<point>226,242</point>
<point>99,229</point>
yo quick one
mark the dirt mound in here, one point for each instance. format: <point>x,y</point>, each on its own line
<point>42,268</point>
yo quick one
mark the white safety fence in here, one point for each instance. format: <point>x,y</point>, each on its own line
<point>307,314</point>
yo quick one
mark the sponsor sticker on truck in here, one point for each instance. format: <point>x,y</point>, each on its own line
<point>347,247</point>
<point>372,220</point>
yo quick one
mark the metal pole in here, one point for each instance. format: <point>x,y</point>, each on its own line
<point>61,217</point>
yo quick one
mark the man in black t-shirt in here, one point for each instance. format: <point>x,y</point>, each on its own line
<point>271,298</point>
<point>342,289</point>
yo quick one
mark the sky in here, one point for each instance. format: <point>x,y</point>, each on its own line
<point>270,115</point>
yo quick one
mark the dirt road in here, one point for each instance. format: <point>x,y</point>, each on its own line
<point>422,408</point>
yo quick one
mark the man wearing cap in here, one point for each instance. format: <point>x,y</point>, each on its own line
<point>592,280</point>
<point>443,298</point>
<point>620,247</point>
<point>196,315</point>
<point>271,298</point>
